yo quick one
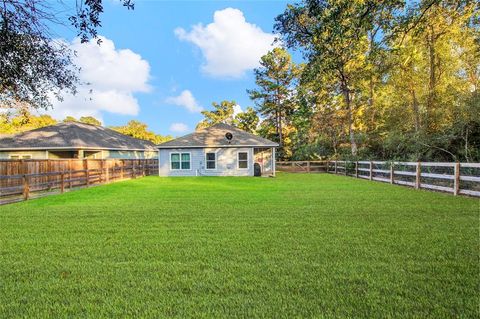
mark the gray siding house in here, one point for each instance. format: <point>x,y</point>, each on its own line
<point>219,150</point>
<point>75,140</point>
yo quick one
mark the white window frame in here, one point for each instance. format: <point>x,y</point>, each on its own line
<point>20,156</point>
<point>180,153</point>
<point>206,160</point>
<point>238,160</point>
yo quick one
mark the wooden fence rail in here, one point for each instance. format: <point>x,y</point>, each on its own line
<point>25,179</point>
<point>455,178</point>
<point>302,166</point>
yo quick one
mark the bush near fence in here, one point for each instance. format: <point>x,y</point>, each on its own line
<point>455,178</point>
<point>25,179</point>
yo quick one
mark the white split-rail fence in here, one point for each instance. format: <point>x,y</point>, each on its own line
<point>452,177</point>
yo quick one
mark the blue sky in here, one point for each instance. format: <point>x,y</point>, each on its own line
<point>156,67</point>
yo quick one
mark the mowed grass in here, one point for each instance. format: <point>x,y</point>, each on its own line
<point>293,246</point>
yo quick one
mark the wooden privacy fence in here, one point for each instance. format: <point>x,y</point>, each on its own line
<point>25,179</point>
<point>455,178</point>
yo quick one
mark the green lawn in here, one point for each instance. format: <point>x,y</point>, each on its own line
<point>294,246</point>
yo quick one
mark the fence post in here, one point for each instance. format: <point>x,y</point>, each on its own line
<point>456,181</point>
<point>418,175</point>
<point>102,167</point>
<point>356,169</point>
<point>62,182</point>
<point>335,167</point>
<point>49,177</point>
<point>345,164</point>
<point>392,178</point>
<point>121,169</point>
<point>371,171</point>
<point>26,188</point>
<point>308,166</point>
<point>87,173</point>
<point>107,172</point>
<point>70,174</point>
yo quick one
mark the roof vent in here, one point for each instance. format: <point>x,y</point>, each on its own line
<point>229,137</point>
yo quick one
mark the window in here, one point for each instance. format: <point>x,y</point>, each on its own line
<point>243,160</point>
<point>211,160</point>
<point>179,161</point>
<point>16,157</point>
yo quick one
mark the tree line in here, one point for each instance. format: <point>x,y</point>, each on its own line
<point>381,79</point>
<point>23,120</point>
<point>390,79</point>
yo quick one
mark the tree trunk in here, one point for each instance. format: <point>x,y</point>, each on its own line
<point>371,101</point>
<point>467,158</point>
<point>280,133</point>
<point>431,40</point>
<point>416,112</point>
<point>277,126</point>
<point>371,93</point>
<point>279,120</point>
<point>348,104</point>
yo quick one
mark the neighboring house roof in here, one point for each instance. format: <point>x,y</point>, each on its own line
<point>73,135</point>
<point>214,136</point>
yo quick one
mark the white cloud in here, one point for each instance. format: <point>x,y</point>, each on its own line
<point>112,76</point>
<point>186,100</point>
<point>179,127</point>
<point>237,109</point>
<point>230,45</point>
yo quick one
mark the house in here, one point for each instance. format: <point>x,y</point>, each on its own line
<point>219,150</point>
<point>74,140</point>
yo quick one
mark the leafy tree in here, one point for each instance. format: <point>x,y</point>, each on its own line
<point>334,35</point>
<point>248,120</point>
<point>22,121</point>
<point>140,130</point>
<point>33,64</point>
<point>69,119</point>
<point>385,79</point>
<point>428,91</point>
<point>303,145</point>
<point>89,120</point>
<point>222,113</point>
<point>273,97</point>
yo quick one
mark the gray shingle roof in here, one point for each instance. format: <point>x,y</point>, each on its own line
<point>214,136</point>
<point>73,135</point>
